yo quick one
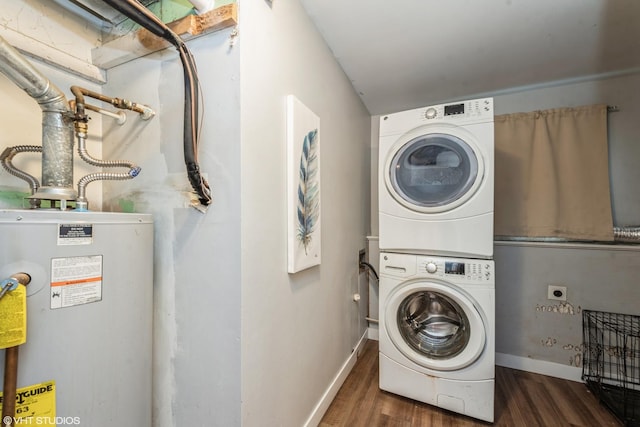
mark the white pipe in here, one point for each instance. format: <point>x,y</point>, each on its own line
<point>120,116</point>
<point>203,6</point>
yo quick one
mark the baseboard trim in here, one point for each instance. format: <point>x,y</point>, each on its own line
<point>328,396</point>
<point>543,367</point>
<point>373,333</point>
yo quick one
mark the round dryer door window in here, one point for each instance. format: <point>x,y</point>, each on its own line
<point>434,172</point>
<point>435,325</point>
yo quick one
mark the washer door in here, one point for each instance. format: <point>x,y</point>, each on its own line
<point>434,171</point>
<point>435,325</point>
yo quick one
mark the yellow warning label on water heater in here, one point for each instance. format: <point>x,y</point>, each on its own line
<point>36,405</point>
<point>13,312</point>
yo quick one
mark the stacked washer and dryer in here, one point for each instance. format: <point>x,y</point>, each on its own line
<point>437,288</point>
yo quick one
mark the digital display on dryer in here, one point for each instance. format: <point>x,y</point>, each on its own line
<point>450,110</point>
<point>454,268</point>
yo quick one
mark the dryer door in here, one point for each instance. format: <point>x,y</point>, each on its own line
<point>434,171</point>
<point>435,324</point>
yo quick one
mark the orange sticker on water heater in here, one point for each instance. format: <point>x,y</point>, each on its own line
<point>75,280</point>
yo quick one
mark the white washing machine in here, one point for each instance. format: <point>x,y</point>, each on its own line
<point>437,331</point>
<point>436,179</point>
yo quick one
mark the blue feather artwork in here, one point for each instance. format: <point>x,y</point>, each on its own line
<point>304,218</point>
<point>308,208</point>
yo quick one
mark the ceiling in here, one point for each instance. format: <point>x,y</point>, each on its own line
<point>97,12</point>
<point>402,54</point>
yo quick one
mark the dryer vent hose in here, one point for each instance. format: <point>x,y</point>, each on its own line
<point>626,234</point>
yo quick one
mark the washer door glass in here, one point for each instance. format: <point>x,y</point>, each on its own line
<point>433,170</point>
<point>433,324</point>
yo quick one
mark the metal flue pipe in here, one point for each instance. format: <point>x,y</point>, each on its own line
<point>57,124</point>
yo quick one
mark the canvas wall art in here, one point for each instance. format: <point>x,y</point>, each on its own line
<point>303,186</point>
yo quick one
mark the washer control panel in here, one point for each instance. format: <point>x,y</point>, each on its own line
<point>457,269</point>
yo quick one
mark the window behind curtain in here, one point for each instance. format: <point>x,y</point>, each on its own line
<point>552,174</point>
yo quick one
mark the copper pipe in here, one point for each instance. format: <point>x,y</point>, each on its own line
<point>22,278</point>
<point>80,93</point>
<point>10,384</point>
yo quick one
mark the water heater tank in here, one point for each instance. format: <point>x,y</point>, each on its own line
<point>89,314</point>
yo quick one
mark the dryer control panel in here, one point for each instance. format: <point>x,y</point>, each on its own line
<point>457,269</point>
<point>456,113</point>
<point>476,108</point>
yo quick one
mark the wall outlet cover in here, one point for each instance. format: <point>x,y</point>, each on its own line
<point>557,293</point>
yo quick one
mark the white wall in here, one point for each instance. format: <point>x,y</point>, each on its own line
<point>197,256</point>
<point>297,330</point>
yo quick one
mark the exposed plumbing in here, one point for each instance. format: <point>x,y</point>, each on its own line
<point>145,112</point>
<point>626,234</point>
<point>81,119</point>
<point>57,124</point>
<point>7,156</point>
<point>119,116</point>
<point>81,201</point>
<point>60,119</point>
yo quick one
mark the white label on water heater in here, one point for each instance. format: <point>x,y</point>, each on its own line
<point>75,234</point>
<point>76,280</point>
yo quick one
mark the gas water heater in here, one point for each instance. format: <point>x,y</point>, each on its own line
<point>83,353</point>
<point>89,315</point>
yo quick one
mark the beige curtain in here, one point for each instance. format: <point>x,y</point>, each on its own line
<point>552,174</point>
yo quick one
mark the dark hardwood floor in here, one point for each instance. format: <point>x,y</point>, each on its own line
<point>521,399</point>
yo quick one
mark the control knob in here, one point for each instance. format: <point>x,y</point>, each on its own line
<point>432,267</point>
<point>431,113</point>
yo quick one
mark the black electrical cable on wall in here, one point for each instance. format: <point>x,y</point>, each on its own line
<point>372,270</point>
<point>144,17</point>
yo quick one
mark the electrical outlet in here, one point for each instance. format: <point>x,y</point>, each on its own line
<point>362,253</point>
<point>558,293</point>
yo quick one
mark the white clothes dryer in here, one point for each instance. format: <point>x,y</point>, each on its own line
<point>436,180</point>
<point>437,331</point>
